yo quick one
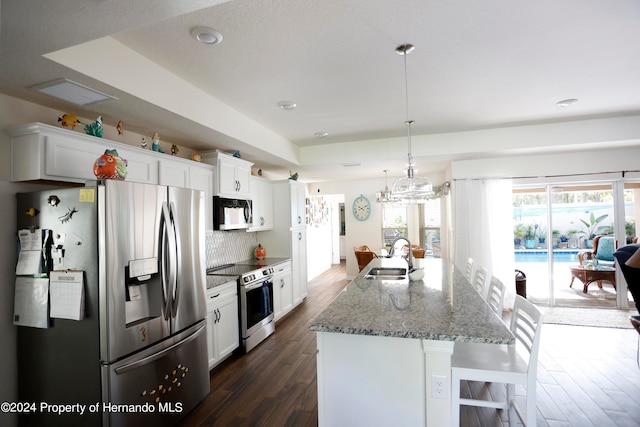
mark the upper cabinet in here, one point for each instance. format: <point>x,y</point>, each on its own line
<point>298,203</point>
<point>262,197</point>
<point>178,173</point>
<point>232,178</point>
<point>43,152</point>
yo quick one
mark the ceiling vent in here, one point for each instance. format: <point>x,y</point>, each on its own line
<point>73,92</point>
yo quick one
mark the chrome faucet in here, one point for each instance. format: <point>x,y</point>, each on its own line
<point>409,257</point>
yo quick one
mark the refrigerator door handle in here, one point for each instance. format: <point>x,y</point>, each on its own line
<point>177,261</point>
<point>167,260</point>
<point>158,355</point>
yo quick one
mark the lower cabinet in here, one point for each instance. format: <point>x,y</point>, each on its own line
<point>282,290</point>
<point>223,335</point>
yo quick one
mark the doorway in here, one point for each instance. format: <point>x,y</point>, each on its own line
<point>554,229</point>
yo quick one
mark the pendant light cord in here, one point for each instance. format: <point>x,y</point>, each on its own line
<point>404,51</point>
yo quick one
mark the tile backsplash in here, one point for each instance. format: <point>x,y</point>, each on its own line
<point>227,247</point>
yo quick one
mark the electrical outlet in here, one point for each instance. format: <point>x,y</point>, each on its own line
<point>439,386</point>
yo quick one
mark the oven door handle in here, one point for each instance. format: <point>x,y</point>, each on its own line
<point>256,285</point>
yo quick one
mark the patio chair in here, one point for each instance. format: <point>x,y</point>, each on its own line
<point>601,254</point>
<point>499,363</point>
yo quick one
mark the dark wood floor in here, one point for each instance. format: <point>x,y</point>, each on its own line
<point>586,376</point>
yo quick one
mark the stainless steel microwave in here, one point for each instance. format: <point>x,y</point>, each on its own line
<point>231,214</point>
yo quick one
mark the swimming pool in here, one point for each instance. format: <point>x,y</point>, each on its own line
<point>540,255</point>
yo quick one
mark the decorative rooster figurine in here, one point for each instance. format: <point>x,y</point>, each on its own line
<point>95,128</point>
<point>110,166</point>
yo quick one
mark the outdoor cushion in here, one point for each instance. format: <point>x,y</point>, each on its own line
<point>606,248</point>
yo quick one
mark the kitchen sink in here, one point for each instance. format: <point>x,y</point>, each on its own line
<point>386,273</point>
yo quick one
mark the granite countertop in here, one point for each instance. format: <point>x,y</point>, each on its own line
<point>214,281</point>
<point>442,306</point>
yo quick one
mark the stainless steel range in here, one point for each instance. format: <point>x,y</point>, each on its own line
<point>255,291</point>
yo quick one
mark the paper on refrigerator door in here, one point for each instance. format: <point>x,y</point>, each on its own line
<point>66,291</point>
<point>30,256</point>
<point>31,302</point>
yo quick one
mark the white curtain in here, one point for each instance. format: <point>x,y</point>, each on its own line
<point>483,229</point>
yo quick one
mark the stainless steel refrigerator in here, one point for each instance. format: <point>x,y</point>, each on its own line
<point>139,354</point>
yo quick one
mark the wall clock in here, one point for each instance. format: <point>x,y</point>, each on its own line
<point>361,208</point>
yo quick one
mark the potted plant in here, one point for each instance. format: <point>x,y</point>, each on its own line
<point>630,230</point>
<point>518,234</point>
<point>530,241</point>
<point>542,234</point>
<point>592,227</point>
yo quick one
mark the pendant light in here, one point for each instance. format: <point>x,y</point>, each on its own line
<point>412,188</point>
<point>385,195</point>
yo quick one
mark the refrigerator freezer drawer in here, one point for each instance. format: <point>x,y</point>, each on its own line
<point>159,385</point>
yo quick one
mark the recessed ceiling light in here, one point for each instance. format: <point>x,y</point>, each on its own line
<point>206,35</point>
<point>286,105</point>
<point>321,134</point>
<point>566,102</point>
<point>73,92</point>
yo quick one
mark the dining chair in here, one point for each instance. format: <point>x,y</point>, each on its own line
<point>495,295</point>
<point>480,280</point>
<point>364,258</point>
<point>501,363</point>
<point>362,248</point>
<point>468,272</point>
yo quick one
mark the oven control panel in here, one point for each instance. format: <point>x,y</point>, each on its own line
<point>257,275</point>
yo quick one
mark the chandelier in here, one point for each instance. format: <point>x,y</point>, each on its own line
<point>384,196</point>
<point>412,188</point>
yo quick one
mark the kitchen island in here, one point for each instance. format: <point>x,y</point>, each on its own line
<point>384,346</point>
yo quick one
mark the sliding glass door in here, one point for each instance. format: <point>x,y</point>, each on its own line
<point>582,214</point>
<point>555,227</point>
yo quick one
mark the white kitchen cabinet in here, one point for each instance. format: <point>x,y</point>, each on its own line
<point>43,152</point>
<point>262,197</point>
<point>298,203</point>
<point>177,172</point>
<point>232,175</point>
<point>223,335</point>
<point>288,238</point>
<point>173,173</point>
<point>201,178</point>
<point>282,290</point>
<point>299,265</point>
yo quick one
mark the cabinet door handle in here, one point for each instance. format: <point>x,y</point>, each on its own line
<point>299,236</point>
<point>299,219</point>
<point>281,283</point>
<point>219,315</point>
